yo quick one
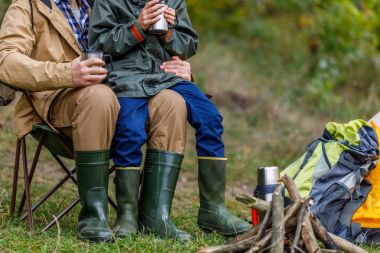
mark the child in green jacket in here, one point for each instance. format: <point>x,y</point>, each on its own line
<point>121,28</point>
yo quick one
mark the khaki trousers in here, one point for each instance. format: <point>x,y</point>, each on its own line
<point>88,115</point>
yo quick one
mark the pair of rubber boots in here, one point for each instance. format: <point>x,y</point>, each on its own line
<point>160,179</point>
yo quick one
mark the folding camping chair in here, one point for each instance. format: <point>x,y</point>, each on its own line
<point>59,146</point>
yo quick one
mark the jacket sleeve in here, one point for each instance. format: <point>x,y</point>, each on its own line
<point>181,40</point>
<point>108,34</point>
<point>17,68</point>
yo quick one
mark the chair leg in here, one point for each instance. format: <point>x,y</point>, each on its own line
<point>26,182</point>
<point>48,195</point>
<point>70,174</point>
<point>61,214</point>
<point>64,167</point>
<point>15,177</point>
<point>32,169</point>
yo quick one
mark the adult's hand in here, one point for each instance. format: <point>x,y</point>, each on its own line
<point>87,72</point>
<point>150,14</point>
<point>179,67</point>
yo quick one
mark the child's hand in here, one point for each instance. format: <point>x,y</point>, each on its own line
<point>150,14</point>
<point>179,67</point>
<point>170,15</point>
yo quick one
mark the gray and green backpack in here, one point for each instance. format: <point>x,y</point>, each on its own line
<point>333,172</point>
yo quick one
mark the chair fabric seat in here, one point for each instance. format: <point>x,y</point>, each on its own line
<point>53,141</point>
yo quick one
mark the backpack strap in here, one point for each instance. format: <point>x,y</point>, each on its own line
<point>348,161</point>
<point>356,230</point>
<point>309,152</point>
<point>324,153</point>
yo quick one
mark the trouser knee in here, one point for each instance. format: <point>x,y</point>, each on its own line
<point>94,119</point>
<point>167,122</point>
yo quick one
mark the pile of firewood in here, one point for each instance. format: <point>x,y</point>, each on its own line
<point>291,229</point>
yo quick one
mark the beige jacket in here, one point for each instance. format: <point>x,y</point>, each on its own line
<point>37,59</point>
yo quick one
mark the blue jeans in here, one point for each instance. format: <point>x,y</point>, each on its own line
<point>131,132</point>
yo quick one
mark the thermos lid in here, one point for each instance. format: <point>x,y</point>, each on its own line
<point>268,175</point>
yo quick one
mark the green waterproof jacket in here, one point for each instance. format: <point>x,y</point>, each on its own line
<point>137,55</point>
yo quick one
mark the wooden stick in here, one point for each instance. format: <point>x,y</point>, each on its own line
<point>293,210</point>
<point>291,187</point>
<point>322,234</point>
<point>250,233</point>
<point>301,217</point>
<point>278,230</point>
<point>346,246</point>
<point>253,202</point>
<point>233,247</point>
<point>300,250</point>
<point>264,224</point>
<point>255,230</point>
<point>308,237</point>
<point>260,244</point>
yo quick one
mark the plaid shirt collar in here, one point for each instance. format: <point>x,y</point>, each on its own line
<point>80,28</point>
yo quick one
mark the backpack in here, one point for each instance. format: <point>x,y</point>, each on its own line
<point>7,94</point>
<point>333,173</point>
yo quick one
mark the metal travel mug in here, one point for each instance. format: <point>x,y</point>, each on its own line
<point>161,26</point>
<point>267,181</point>
<point>86,55</point>
<point>93,54</point>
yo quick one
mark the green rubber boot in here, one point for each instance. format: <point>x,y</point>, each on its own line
<point>160,179</point>
<point>212,215</point>
<point>127,184</point>
<point>92,176</point>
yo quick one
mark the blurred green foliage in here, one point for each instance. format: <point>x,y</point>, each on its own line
<point>341,34</point>
<point>339,27</point>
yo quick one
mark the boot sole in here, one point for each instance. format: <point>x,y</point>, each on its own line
<point>209,230</point>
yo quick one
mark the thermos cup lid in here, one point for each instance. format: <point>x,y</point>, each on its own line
<point>268,175</point>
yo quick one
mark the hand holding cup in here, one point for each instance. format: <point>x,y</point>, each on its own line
<point>150,14</point>
<point>88,70</point>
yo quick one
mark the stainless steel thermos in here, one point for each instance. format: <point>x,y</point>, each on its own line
<point>267,181</point>
<point>161,26</point>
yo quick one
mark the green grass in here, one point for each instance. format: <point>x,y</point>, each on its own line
<point>15,237</point>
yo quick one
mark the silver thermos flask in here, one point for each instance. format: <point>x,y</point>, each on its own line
<point>161,26</point>
<point>267,180</point>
